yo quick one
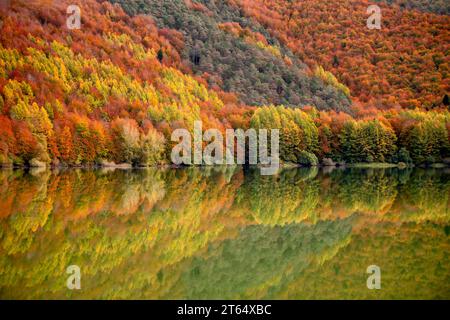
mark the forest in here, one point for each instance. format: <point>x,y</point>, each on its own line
<point>405,63</point>
<point>435,6</point>
<point>114,90</point>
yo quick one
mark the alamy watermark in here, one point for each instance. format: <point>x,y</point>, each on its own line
<point>74,280</point>
<point>229,152</point>
<point>73,22</point>
<point>374,20</point>
<point>374,280</point>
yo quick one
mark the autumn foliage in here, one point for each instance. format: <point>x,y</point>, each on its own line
<point>116,89</point>
<point>404,63</point>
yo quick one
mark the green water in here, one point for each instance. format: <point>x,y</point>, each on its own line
<point>224,233</point>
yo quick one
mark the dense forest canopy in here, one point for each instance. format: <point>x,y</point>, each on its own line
<point>404,63</point>
<point>435,6</point>
<point>251,63</point>
<point>114,90</point>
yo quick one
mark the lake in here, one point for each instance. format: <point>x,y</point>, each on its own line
<point>225,233</point>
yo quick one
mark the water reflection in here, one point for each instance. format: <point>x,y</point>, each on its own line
<point>217,233</point>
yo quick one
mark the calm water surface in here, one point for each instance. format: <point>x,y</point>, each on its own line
<point>225,233</point>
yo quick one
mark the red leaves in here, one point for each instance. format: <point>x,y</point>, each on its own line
<point>7,138</point>
<point>65,144</point>
<point>401,64</point>
<point>26,143</point>
<point>175,38</point>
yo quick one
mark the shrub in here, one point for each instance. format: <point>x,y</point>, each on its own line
<point>152,148</point>
<point>306,158</point>
<point>404,156</point>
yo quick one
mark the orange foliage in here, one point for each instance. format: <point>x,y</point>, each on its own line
<point>405,63</point>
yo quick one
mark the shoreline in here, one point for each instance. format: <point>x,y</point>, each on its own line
<point>286,165</point>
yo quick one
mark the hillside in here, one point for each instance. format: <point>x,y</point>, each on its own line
<point>435,6</point>
<point>406,63</point>
<point>238,55</point>
<point>91,93</point>
<point>115,90</point>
